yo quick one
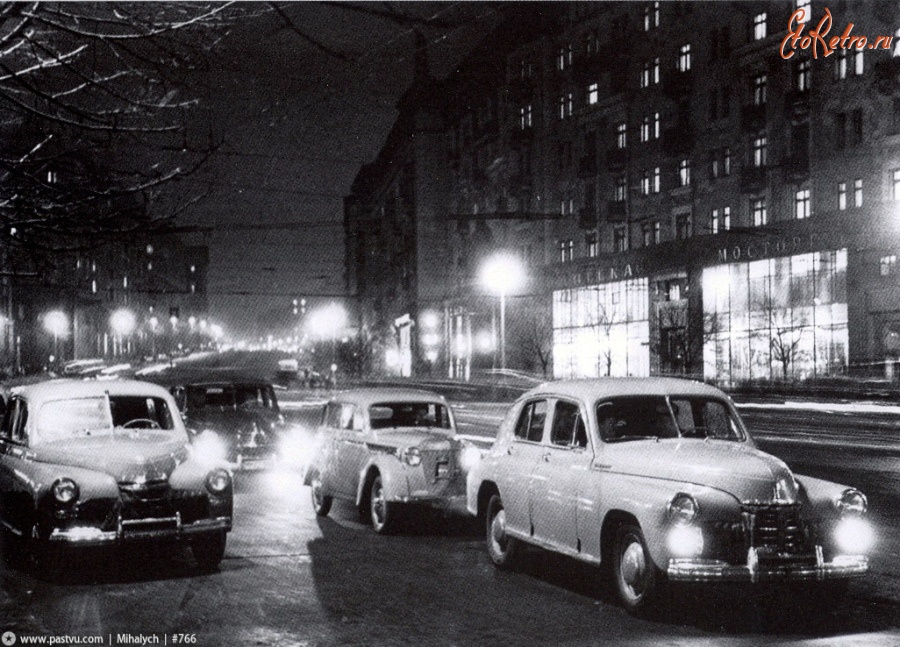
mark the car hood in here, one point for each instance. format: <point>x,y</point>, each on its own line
<point>125,459</point>
<point>739,469</point>
<point>416,437</point>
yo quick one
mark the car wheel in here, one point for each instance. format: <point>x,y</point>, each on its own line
<point>381,511</point>
<point>321,502</point>
<point>208,551</point>
<point>636,577</point>
<point>502,549</point>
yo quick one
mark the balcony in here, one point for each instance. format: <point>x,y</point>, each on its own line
<point>677,84</point>
<point>587,217</point>
<point>616,211</point>
<point>796,168</point>
<point>796,105</point>
<point>678,140</point>
<point>753,118</point>
<point>753,179</point>
<point>587,166</point>
<point>616,159</point>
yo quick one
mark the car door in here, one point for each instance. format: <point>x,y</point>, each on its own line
<point>327,448</point>
<point>559,476</point>
<point>352,451</point>
<point>15,495</point>
<point>515,470</point>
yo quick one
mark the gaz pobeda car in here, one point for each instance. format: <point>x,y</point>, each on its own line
<point>381,448</point>
<point>658,480</point>
<point>106,464</point>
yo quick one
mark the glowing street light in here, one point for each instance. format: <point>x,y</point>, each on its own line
<point>501,275</point>
<point>329,322</point>
<point>57,323</point>
<point>122,322</point>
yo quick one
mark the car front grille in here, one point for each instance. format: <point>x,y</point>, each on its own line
<point>776,530</point>
<point>157,499</point>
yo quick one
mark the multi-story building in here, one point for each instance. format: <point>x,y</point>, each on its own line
<point>686,191</point>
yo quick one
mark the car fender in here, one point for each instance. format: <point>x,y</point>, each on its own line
<point>39,477</point>
<point>646,499</point>
<point>822,496</point>
<point>393,480</point>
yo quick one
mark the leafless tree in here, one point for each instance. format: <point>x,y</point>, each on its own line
<point>603,321</point>
<point>688,341</point>
<point>782,329</point>
<point>95,103</point>
<point>531,334</point>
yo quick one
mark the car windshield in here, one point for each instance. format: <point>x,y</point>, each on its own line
<point>642,417</point>
<point>409,414</point>
<point>228,397</point>
<point>101,415</point>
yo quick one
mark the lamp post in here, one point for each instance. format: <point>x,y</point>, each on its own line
<point>122,322</point>
<point>501,275</point>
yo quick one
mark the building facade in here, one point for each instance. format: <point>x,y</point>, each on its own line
<point>687,188</point>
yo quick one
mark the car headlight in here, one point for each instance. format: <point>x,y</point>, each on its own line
<point>411,456</point>
<point>218,481</point>
<point>685,541</point>
<point>65,491</point>
<point>852,502</point>
<point>294,448</point>
<point>854,536</point>
<point>470,457</point>
<point>209,448</point>
<point>682,509</point>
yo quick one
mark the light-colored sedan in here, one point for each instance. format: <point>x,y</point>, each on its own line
<point>106,463</point>
<point>658,480</point>
<point>381,448</point>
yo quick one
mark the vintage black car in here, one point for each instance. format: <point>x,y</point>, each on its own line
<point>106,463</point>
<point>236,420</point>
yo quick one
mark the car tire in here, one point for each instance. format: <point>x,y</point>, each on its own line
<point>637,579</point>
<point>208,551</point>
<point>321,502</point>
<point>382,513</point>
<point>502,549</point>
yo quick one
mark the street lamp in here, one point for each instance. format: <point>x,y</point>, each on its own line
<point>329,322</point>
<point>122,322</point>
<point>501,275</point>
<point>57,323</point>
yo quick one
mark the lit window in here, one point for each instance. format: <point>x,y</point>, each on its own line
<point>647,235</point>
<point>566,105</point>
<point>650,127</point>
<point>650,73</point>
<point>887,264</point>
<point>193,288</point>
<point>759,89</point>
<point>805,6</point>
<point>593,244</point>
<point>621,189</point>
<point>859,65</point>
<point>656,180</point>
<point>759,152</point>
<point>896,51</point>
<point>94,286</point>
<point>895,184</point>
<point>621,135</point>
<point>758,212</point>
<point>193,268</point>
<point>651,16</point>
<point>561,58</point>
<point>684,58</point>
<point>759,26</point>
<point>525,117</point>
<point>656,233</point>
<point>857,192</point>
<point>714,222</point>
<point>720,220</point>
<point>726,166</point>
<point>125,282</point>
<point>802,204</point>
<point>804,75</point>
<point>684,173</point>
<point>840,64</point>
<point>593,93</point>
<point>645,183</point>
<point>842,196</point>
<point>682,226</point>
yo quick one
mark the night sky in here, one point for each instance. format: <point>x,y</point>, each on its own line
<point>299,108</point>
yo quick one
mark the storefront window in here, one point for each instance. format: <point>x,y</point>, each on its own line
<point>780,318</point>
<point>602,330</point>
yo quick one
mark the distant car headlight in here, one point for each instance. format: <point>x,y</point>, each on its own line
<point>854,536</point>
<point>852,502</point>
<point>682,509</point>
<point>295,448</point>
<point>411,456</point>
<point>209,448</point>
<point>470,457</point>
<point>218,480</point>
<point>65,491</point>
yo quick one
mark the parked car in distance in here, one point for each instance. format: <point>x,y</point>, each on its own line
<point>658,480</point>
<point>87,463</point>
<point>383,448</point>
<point>238,420</point>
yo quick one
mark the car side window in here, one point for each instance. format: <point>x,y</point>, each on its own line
<point>530,426</point>
<point>568,428</point>
<point>635,417</point>
<point>333,415</point>
<point>8,415</point>
<point>19,418</point>
<point>347,412</point>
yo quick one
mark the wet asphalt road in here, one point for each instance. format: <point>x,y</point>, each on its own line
<point>292,579</point>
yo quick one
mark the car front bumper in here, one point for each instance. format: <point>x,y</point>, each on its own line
<point>709,570</point>
<point>134,530</point>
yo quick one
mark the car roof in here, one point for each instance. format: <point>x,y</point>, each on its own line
<point>368,397</point>
<point>66,388</point>
<point>608,387</point>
